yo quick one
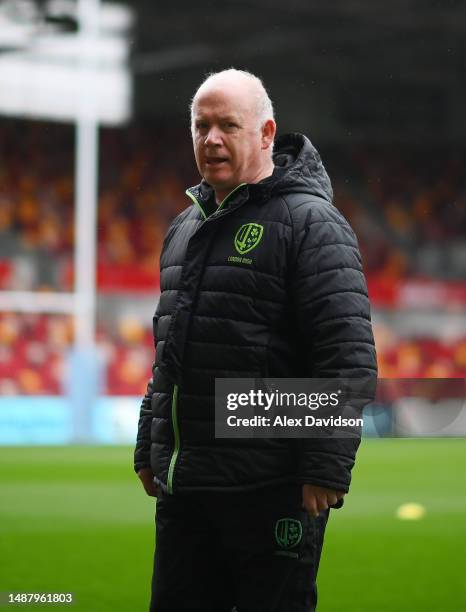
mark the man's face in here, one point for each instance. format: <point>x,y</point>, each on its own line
<point>226,137</point>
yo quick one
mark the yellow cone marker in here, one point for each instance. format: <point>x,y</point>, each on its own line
<point>411,512</point>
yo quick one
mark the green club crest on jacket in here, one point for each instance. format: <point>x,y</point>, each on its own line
<point>248,237</point>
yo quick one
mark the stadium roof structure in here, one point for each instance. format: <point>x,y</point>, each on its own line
<point>366,68</point>
<point>322,38</point>
<point>371,63</point>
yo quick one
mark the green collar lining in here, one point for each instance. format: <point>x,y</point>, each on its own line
<point>220,206</point>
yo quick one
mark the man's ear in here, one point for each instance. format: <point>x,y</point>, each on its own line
<point>268,133</point>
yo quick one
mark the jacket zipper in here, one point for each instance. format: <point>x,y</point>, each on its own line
<point>176,429</point>
<point>176,432</point>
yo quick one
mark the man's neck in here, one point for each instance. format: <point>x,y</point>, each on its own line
<point>220,196</point>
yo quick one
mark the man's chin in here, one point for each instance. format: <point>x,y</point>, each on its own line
<point>217,182</point>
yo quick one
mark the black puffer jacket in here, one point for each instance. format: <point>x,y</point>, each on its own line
<point>293,305</point>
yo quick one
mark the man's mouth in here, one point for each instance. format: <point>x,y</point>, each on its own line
<point>215,161</point>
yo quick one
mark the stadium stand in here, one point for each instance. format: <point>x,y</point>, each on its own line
<point>407,208</point>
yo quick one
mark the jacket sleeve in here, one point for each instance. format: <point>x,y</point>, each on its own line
<point>142,450</point>
<point>334,331</point>
<point>143,441</point>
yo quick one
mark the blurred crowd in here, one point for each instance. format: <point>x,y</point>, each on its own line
<point>34,350</point>
<point>408,208</point>
<point>141,188</point>
<point>415,357</point>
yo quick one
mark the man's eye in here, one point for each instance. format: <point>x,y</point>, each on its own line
<point>201,126</point>
<point>230,125</point>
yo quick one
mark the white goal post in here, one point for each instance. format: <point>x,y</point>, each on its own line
<point>86,105</point>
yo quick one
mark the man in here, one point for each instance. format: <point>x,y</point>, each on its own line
<point>291,302</point>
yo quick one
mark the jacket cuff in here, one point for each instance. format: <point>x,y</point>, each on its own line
<point>140,466</point>
<point>327,484</point>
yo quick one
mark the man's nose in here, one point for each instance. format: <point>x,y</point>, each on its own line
<point>213,136</point>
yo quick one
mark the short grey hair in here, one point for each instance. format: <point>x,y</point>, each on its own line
<point>264,107</point>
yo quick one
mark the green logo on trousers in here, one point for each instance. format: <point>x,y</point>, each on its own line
<point>248,237</point>
<point>288,532</point>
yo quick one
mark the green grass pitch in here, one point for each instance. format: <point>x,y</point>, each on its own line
<point>75,519</point>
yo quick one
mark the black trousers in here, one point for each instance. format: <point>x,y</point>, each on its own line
<point>255,551</point>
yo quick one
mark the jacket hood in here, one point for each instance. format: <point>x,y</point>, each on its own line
<point>299,169</point>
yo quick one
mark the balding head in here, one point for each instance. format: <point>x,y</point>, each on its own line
<point>233,129</point>
<point>244,83</point>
